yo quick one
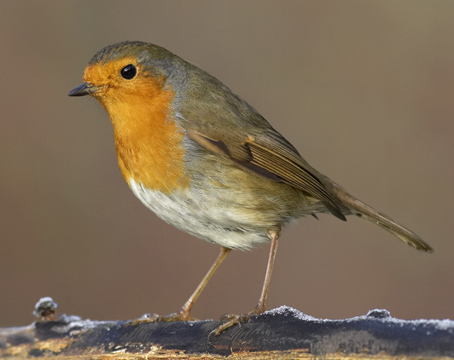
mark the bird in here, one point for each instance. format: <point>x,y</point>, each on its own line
<point>204,160</point>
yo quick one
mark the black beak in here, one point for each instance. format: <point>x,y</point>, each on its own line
<point>82,90</point>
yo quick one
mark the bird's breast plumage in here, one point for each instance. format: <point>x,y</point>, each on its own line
<point>147,138</point>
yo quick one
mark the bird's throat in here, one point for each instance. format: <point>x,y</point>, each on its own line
<point>148,141</point>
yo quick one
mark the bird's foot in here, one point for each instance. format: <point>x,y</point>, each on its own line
<point>232,319</point>
<point>176,316</point>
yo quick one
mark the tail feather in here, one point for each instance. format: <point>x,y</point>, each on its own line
<point>363,210</point>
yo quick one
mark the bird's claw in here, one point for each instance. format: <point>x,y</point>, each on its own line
<point>229,321</point>
<point>176,316</point>
<point>232,319</point>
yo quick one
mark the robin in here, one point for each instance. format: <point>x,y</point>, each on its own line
<point>207,162</point>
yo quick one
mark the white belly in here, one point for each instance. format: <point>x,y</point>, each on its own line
<point>189,211</point>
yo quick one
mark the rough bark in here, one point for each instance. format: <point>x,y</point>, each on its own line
<point>282,333</point>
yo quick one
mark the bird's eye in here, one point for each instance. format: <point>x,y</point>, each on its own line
<point>128,72</point>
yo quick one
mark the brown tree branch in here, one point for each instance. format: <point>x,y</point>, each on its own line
<point>282,333</point>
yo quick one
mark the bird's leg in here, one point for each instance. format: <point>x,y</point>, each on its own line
<point>261,305</point>
<point>183,313</point>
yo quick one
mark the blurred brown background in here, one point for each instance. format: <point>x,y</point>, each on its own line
<point>364,89</point>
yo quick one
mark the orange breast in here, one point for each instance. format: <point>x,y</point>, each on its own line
<point>148,141</point>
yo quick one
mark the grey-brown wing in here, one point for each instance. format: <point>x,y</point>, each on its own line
<point>270,155</point>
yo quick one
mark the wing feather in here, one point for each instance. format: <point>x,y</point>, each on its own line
<point>270,155</point>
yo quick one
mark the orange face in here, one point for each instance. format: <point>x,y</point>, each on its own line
<point>148,141</point>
